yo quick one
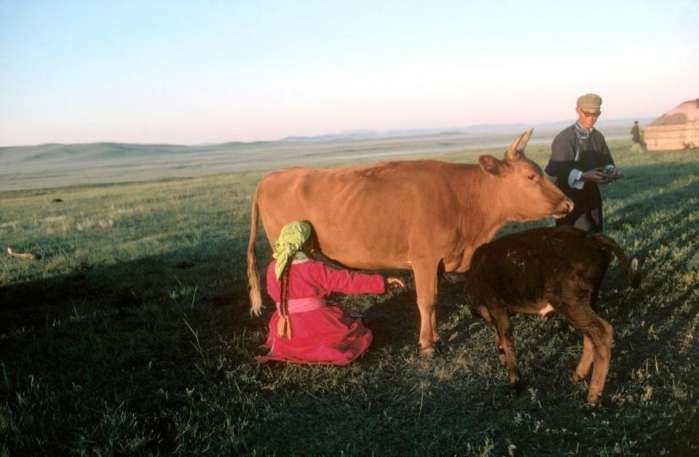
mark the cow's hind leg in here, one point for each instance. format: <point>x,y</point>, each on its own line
<point>426,287</point>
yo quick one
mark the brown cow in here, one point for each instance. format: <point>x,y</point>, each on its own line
<point>546,270</point>
<point>423,215</point>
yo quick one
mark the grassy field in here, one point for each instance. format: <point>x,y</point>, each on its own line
<point>131,336</point>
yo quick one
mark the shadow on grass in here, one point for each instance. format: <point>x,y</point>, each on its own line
<point>133,316</point>
<point>83,347</point>
<point>185,276</point>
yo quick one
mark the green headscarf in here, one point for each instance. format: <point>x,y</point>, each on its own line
<point>291,239</point>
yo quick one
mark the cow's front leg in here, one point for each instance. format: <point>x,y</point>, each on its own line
<point>426,288</point>
<point>506,342</point>
<point>433,322</point>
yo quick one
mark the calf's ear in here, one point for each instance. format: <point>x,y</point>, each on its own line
<point>490,164</point>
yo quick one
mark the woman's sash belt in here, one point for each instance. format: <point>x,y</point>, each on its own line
<point>303,305</point>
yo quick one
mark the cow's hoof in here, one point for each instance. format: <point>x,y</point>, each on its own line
<point>577,377</point>
<point>511,391</point>
<point>517,387</point>
<point>427,353</point>
<point>593,400</point>
<point>439,346</point>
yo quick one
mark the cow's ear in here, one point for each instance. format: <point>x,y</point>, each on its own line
<point>490,164</point>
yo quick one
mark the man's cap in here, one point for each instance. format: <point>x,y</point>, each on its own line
<point>590,101</point>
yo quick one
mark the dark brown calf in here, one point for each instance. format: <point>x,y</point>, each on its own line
<point>548,270</point>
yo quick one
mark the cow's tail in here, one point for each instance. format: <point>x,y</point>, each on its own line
<point>253,277</point>
<point>630,267</point>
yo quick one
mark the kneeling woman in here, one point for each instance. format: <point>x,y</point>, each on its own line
<point>304,328</point>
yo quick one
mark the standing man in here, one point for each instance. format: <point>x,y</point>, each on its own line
<point>636,133</point>
<point>636,138</point>
<point>580,161</point>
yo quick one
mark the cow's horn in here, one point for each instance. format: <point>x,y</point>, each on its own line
<point>519,144</point>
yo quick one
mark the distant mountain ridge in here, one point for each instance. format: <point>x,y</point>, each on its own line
<point>363,134</point>
<point>55,164</point>
<point>359,134</point>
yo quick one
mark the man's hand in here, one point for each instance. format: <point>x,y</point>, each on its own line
<point>597,176</point>
<point>613,173</point>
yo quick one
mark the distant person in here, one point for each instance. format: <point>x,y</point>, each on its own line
<point>305,328</point>
<point>637,138</point>
<point>580,161</point>
<point>635,133</point>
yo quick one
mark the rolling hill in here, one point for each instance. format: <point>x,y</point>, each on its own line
<point>51,165</point>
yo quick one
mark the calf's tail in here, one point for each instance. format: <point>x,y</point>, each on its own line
<point>253,277</point>
<point>630,267</point>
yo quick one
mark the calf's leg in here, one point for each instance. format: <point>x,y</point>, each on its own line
<point>598,336</point>
<point>602,338</point>
<point>585,363</point>
<point>482,311</point>
<point>505,340</point>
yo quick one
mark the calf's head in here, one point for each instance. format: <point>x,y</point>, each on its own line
<point>523,192</point>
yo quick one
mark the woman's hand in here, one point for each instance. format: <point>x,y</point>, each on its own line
<point>392,281</point>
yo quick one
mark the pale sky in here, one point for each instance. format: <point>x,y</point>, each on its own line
<point>192,72</point>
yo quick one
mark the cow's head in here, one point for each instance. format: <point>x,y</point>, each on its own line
<point>523,192</point>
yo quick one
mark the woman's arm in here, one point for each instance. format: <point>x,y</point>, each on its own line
<point>349,282</point>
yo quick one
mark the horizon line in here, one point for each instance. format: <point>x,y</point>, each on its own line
<point>340,133</point>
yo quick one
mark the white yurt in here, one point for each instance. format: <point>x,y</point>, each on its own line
<point>676,129</point>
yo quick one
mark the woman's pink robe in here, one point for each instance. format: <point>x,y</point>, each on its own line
<point>321,333</point>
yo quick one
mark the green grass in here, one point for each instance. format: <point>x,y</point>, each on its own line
<point>131,336</point>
